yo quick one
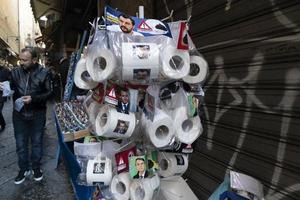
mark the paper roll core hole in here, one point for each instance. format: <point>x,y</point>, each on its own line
<point>139,193</point>
<point>176,63</point>
<point>103,120</point>
<point>162,132</point>
<point>85,76</point>
<point>194,69</point>
<point>187,125</point>
<point>121,187</point>
<point>100,62</point>
<point>164,164</point>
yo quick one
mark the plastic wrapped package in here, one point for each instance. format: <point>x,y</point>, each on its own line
<point>198,70</point>
<point>111,123</point>
<point>144,189</point>
<point>161,130</point>
<point>89,151</point>
<point>88,99</point>
<point>93,110</point>
<point>99,171</point>
<point>198,66</point>
<point>246,186</point>
<point>101,63</point>
<point>100,60</point>
<point>120,185</point>
<point>175,63</point>
<point>175,188</point>
<point>187,129</point>
<point>82,78</point>
<point>173,96</point>
<point>138,57</point>
<point>140,62</point>
<point>172,164</point>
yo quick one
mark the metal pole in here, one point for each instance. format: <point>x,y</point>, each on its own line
<point>141,12</point>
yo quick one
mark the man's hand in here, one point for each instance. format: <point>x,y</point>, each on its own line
<point>26,99</point>
<point>1,86</point>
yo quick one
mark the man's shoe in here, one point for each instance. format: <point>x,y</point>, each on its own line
<point>21,176</point>
<point>37,174</point>
<point>2,127</point>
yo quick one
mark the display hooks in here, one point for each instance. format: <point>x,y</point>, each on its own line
<point>125,145</point>
<point>187,22</point>
<point>170,16</point>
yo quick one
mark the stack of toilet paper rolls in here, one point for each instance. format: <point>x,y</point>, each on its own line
<point>123,187</point>
<point>145,62</point>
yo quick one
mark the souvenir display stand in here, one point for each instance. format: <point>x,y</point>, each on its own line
<point>132,136</point>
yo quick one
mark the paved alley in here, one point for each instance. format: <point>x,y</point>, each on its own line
<point>55,184</point>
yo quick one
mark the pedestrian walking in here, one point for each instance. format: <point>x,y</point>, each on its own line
<point>32,85</point>
<point>4,76</point>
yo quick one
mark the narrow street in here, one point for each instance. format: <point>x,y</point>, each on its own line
<point>55,184</point>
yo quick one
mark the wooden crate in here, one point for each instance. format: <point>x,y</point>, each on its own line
<point>68,137</point>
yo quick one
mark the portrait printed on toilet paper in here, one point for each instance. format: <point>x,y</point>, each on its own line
<point>98,167</point>
<point>141,51</point>
<point>121,127</point>
<point>138,167</point>
<point>141,74</point>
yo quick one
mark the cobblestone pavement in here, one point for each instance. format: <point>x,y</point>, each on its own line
<point>55,184</point>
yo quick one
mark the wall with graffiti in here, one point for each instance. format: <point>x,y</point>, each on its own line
<point>252,93</point>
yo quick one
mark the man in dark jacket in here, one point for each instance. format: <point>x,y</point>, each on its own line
<point>4,76</point>
<point>32,86</point>
<point>123,102</point>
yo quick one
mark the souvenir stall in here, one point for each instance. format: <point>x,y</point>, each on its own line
<point>134,132</point>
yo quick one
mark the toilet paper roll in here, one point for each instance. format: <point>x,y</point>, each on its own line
<point>82,78</point>
<point>161,130</point>
<point>140,190</point>
<point>140,54</point>
<point>111,123</point>
<point>153,181</point>
<point>175,62</point>
<point>175,188</point>
<point>171,164</point>
<point>198,70</point>
<point>100,63</point>
<point>99,171</point>
<point>187,129</point>
<point>120,185</point>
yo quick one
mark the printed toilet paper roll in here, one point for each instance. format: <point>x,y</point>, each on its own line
<point>99,171</point>
<point>141,190</point>
<point>187,129</point>
<point>161,130</point>
<point>175,188</point>
<point>140,61</point>
<point>82,78</point>
<point>100,63</point>
<point>111,123</point>
<point>198,70</point>
<point>171,164</point>
<point>120,186</point>
<point>175,62</point>
<point>153,181</point>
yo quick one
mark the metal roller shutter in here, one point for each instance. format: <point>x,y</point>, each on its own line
<point>252,93</point>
